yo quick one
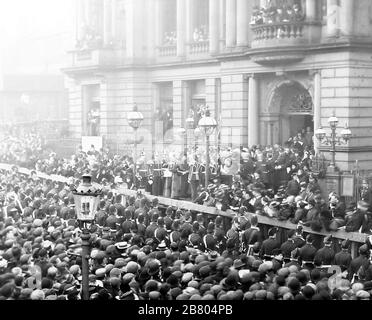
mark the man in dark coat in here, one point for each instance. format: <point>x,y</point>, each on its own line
<point>325,255</point>
<point>343,258</point>
<point>269,245</point>
<point>287,247</point>
<point>252,235</point>
<point>359,261</point>
<point>293,187</point>
<point>307,253</point>
<point>357,218</point>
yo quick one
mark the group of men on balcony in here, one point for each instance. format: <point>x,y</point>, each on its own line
<point>200,34</point>
<point>277,14</point>
<point>170,38</point>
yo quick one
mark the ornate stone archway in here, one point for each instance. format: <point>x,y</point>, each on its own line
<point>291,105</point>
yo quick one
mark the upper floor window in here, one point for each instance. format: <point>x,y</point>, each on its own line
<point>200,31</point>
<point>170,23</point>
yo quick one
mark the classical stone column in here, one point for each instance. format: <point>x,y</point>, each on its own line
<point>253,107</point>
<point>311,10</point>
<point>347,17</point>
<point>214,34</point>
<point>181,28</point>
<point>151,28</point>
<point>107,22</point>
<point>190,20</point>
<point>159,30</point>
<point>80,19</point>
<point>316,103</point>
<point>242,23</point>
<point>230,23</point>
<point>333,16</point>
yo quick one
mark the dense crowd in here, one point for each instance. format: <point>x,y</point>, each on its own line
<point>277,14</point>
<point>142,250</point>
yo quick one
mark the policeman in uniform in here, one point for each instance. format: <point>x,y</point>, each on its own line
<point>307,253</point>
<point>359,261</point>
<point>175,235</point>
<point>298,238</point>
<point>324,257</point>
<point>208,239</point>
<point>269,245</point>
<point>251,236</point>
<point>294,260</point>
<point>195,238</point>
<point>287,247</point>
<point>343,258</point>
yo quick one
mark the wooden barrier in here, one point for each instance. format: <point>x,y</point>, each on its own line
<point>355,237</point>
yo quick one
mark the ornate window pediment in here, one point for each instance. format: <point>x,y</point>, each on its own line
<point>301,103</point>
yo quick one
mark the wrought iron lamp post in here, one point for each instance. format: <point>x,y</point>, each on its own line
<point>207,126</point>
<point>86,198</point>
<point>135,119</point>
<point>333,139</point>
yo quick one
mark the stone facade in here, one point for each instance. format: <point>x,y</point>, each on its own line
<point>249,72</point>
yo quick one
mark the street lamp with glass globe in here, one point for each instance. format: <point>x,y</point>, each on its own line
<point>207,125</point>
<point>333,139</point>
<point>135,119</point>
<point>86,199</point>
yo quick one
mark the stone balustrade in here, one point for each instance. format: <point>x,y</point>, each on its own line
<point>199,47</point>
<point>285,30</point>
<point>167,51</point>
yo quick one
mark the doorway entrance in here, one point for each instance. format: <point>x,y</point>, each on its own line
<point>296,110</point>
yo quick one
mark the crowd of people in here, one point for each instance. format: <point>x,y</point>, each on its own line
<point>277,14</point>
<point>200,34</point>
<point>170,38</point>
<point>142,250</point>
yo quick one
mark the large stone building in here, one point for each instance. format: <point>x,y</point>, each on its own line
<point>263,77</point>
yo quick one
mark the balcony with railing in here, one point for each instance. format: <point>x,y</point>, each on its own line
<point>167,51</point>
<point>199,47</point>
<point>280,26</point>
<point>282,34</point>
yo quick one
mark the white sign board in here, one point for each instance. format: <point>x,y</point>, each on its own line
<point>88,141</point>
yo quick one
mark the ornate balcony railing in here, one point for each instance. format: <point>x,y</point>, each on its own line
<point>167,51</point>
<point>280,35</point>
<point>273,31</point>
<point>199,47</point>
